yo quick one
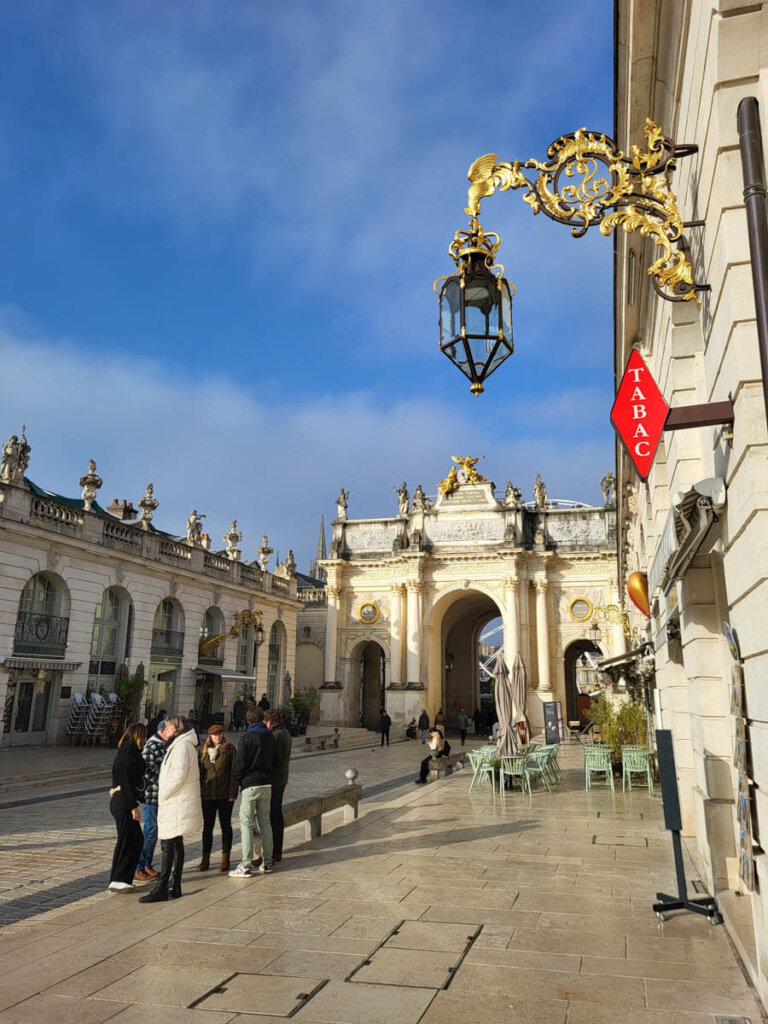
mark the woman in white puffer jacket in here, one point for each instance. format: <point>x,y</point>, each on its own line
<point>179,808</point>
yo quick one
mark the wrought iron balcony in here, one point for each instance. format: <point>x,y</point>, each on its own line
<point>167,641</point>
<point>37,633</point>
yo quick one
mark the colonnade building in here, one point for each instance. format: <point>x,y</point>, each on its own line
<point>408,598</point>
<point>86,590</point>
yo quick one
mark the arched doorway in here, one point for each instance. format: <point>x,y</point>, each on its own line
<point>165,657</point>
<point>110,638</point>
<point>368,689</point>
<point>459,622</point>
<point>578,676</point>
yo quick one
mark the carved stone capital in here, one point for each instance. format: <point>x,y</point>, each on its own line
<point>542,586</point>
<point>512,583</point>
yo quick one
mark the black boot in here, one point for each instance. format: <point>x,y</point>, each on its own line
<point>174,892</point>
<point>160,892</point>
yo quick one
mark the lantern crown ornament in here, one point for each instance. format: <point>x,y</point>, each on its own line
<point>475,306</point>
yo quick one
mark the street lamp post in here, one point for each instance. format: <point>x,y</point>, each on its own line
<point>585,181</point>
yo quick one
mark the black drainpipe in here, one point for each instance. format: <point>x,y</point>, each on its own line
<point>751,145</point>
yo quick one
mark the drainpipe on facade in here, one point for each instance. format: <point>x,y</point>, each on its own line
<point>751,146</point>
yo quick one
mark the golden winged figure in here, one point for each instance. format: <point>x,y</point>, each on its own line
<point>465,474</point>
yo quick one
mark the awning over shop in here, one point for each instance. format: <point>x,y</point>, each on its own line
<point>40,664</point>
<point>688,523</point>
<point>623,659</point>
<point>226,675</point>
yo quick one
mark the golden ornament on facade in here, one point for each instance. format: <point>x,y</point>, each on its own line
<point>587,180</point>
<point>466,473</point>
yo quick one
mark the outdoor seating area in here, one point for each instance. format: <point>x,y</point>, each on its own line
<point>635,760</point>
<point>535,763</point>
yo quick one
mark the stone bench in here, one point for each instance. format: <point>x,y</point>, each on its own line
<point>445,765</point>
<point>321,742</point>
<point>311,810</point>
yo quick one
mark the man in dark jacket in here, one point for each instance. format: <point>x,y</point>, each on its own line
<point>385,723</point>
<point>276,725</point>
<point>153,753</point>
<point>254,770</point>
<point>424,725</point>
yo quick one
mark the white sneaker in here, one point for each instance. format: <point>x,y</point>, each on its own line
<point>120,887</point>
<point>241,872</point>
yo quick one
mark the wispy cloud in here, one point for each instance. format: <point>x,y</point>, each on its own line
<point>274,466</point>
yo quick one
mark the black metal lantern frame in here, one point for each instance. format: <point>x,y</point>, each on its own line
<point>476,307</point>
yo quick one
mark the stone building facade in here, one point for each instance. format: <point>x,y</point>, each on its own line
<point>699,525</point>
<point>407,598</point>
<point>85,590</point>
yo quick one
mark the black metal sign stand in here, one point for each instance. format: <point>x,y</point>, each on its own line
<point>705,905</point>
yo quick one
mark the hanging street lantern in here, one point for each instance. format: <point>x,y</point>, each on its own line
<point>475,307</point>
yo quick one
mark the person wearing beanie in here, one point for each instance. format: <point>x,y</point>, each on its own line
<point>218,791</point>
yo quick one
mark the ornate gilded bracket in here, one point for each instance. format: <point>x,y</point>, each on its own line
<point>209,644</point>
<point>587,180</point>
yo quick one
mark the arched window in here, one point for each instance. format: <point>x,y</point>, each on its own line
<point>109,639</point>
<point>38,596</point>
<point>168,629</point>
<point>41,628</point>
<point>212,624</point>
<point>244,649</point>
<point>275,662</point>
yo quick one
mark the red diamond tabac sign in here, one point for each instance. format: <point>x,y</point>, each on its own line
<point>639,413</point>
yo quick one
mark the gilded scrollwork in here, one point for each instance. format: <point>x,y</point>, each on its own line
<point>587,180</point>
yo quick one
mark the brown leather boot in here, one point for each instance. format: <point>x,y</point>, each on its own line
<point>205,862</point>
<point>224,862</point>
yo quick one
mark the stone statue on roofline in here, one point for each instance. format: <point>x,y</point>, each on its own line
<point>403,499</point>
<point>513,496</point>
<point>341,504</point>
<point>608,487</point>
<point>264,552</point>
<point>232,538</point>
<point>539,492</point>
<point>148,504</point>
<point>15,458</point>
<point>421,502</point>
<point>90,483</point>
<point>195,527</point>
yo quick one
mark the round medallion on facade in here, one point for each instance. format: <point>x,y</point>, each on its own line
<point>368,612</point>
<point>580,609</point>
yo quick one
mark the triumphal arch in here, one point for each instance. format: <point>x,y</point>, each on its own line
<point>408,597</point>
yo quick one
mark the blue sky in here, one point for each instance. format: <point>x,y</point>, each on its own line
<point>221,223</point>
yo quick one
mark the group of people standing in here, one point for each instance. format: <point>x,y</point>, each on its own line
<point>184,790</point>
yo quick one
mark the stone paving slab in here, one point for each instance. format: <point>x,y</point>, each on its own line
<point>372,917</point>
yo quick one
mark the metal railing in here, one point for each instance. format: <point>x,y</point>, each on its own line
<point>34,629</point>
<point>167,641</point>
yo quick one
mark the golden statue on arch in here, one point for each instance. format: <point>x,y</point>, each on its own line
<point>466,473</point>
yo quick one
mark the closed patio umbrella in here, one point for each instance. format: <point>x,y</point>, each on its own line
<point>519,691</point>
<point>505,708</point>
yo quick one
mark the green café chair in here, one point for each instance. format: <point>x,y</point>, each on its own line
<point>637,761</point>
<point>597,760</point>
<point>536,767</point>
<point>481,769</point>
<point>514,767</point>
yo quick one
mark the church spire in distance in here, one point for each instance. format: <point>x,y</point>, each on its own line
<point>315,570</point>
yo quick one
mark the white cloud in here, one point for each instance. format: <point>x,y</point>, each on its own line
<point>272,465</point>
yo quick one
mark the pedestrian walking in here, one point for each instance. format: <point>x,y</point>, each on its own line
<point>153,753</point>
<point>483,720</point>
<point>424,725</point>
<point>463,723</point>
<point>264,702</point>
<point>179,808</point>
<point>439,747</point>
<point>276,725</point>
<point>154,721</point>
<point>476,720</point>
<point>440,721</point>
<point>194,723</point>
<point>127,789</point>
<point>385,723</point>
<point>238,714</point>
<point>218,789</point>
<point>254,770</point>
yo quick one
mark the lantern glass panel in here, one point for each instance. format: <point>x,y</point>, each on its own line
<point>506,310</point>
<point>501,353</point>
<point>480,300</point>
<point>450,305</point>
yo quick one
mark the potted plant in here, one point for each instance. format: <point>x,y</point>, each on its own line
<point>620,724</point>
<point>299,707</point>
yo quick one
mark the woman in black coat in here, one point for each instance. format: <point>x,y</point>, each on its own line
<point>127,790</point>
